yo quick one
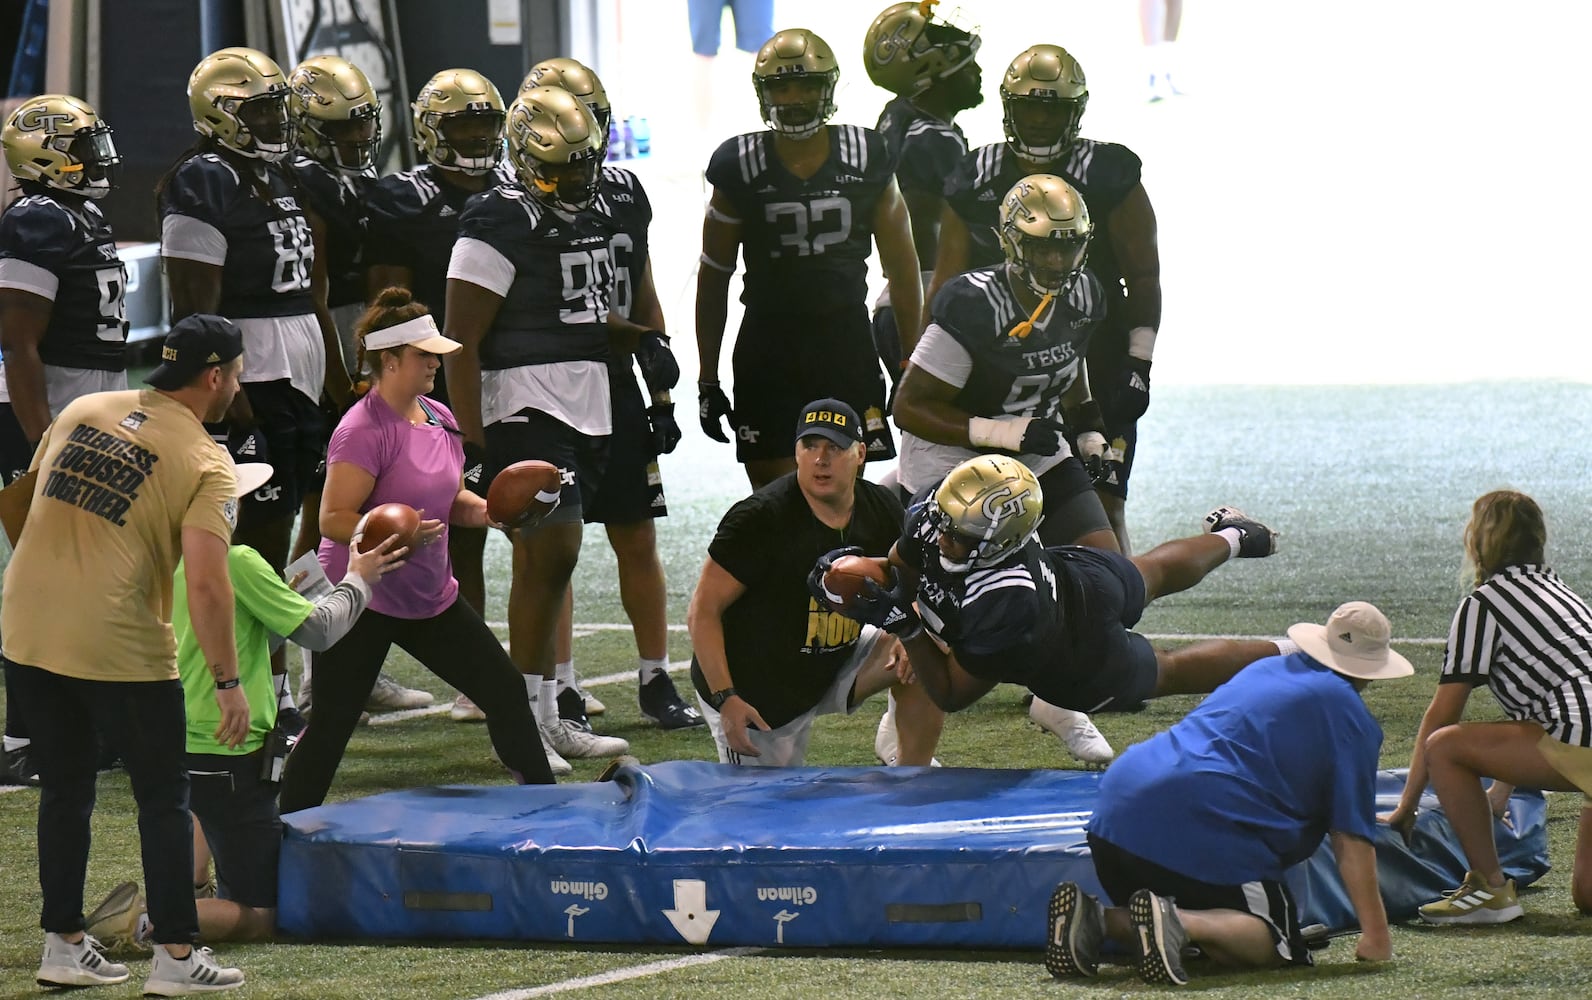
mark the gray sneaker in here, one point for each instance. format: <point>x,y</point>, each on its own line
<point>1077,927</point>
<point>571,739</point>
<point>1161,938</point>
<point>80,964</point>
<point>555,762</point>
<point>198,973</point>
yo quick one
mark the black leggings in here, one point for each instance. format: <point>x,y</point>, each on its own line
<point>458,647</point>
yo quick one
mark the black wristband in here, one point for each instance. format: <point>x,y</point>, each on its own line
<point>1086,417</point>
<point>717,699</point>
<point>228,685</point>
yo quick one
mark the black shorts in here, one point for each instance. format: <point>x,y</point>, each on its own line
<point>15,455</point>
<point>1108,668</point>
<point>1072,507</point>
<point>533,434</point>
<point>632,486</point>
<point>239,816</point>
<point>1122,873</point>
<point>782,363</point>
<point>1108,352</point>
<point>291,433</point>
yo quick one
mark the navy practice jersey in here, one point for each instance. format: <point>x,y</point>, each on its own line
<point>805,242</point>
<point>412,221</point>
<point>269,250</point>
<point>1102,172</point>
<point>339,200</point>
<point>1017,376</point>
<point>70,238</point>
<point>625,203</point>
<point>557,307</point>
<point>924,150</point>
<point>1008,612</point>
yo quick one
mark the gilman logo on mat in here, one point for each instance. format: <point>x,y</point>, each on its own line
<point>585,890</point>
<point>804,895</point>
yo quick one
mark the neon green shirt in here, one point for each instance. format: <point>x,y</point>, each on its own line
<point>266,607</point>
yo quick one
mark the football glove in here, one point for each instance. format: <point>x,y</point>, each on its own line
<point>665,432</point>
<point>1042,436</point>
<point>659,369</point>
<point>815,579</point>
<point>712,406</point>
<point>1105,468</point>
<point>1132,397</point>
<point>889,609</point>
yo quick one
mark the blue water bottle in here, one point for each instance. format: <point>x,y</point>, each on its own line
<point>630,137</point>
<point>643,134</point>
<point>616,151</point>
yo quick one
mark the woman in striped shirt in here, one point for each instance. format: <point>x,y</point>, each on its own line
<point>1527,636</point>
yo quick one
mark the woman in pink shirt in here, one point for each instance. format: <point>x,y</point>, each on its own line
<point>398,445</point>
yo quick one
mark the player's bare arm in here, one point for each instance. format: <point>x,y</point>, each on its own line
<point>721,242</point>
<point>952,255</point>
<point>925,406</point>
<point>24,317</point>
<point>947,684</point>
<point>339,387</point>
<point>1132,230</point>
<point>471,310</point>
<point>892,233</point>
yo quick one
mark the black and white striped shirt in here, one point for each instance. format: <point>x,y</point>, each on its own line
<point>1528,637</point>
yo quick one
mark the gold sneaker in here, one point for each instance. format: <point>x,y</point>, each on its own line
<point>1475,902</point>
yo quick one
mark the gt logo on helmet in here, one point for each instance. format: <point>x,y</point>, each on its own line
<point>1005,502</point>
<point>887,48</point>
<point>38,119</point>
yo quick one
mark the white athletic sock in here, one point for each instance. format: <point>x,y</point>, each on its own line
<point>547,705</point>
<point>564,675</point>
<point>1234,537</point>
<point>15,743</point>
<point>284,692</point>
<point>533,686</point>
<point>647,669</point>
<point>1286,647</point>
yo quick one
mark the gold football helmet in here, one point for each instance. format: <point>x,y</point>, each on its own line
<point>795,74</point>
<point>239,97</point>
<point>336,111</point>
<point>579,80</point>
<point>459,119</point>
<point>61,142</point>
<point>909,48</point>
<point>1044,231</point>
<point>555,147</point>
<point>1042,99</point>
<point>986,508</point>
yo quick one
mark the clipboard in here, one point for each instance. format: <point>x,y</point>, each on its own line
<point>14,503</point>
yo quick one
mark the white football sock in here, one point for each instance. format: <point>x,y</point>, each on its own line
<point>533,686</point>
<point>647,669</point>
<point>547,705</point>
<point>1235,538</point>
<point>15,743</point>
<point>564,675</point>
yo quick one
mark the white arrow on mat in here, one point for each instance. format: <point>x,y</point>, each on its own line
<point>691,916</point>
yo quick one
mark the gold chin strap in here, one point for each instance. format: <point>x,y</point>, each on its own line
<point>926,7</point>
<point>1023,329</point>
<point>546,187</point>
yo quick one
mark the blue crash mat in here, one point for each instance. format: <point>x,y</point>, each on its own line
<point>701,853</point>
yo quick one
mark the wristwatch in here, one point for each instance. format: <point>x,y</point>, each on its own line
<point>717,699</point>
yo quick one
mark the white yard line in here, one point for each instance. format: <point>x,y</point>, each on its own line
<point>621,975</point>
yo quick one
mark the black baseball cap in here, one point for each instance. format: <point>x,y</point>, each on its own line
<point>832,419</point>
<point>194,344</point>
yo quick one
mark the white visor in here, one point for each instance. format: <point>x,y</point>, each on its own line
<point>421,332</point>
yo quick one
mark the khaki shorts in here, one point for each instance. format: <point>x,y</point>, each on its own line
<point>1575,763</point>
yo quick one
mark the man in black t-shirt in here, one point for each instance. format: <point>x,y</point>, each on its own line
<point>768,659</point>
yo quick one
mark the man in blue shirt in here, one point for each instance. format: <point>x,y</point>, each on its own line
<point>1214,810</point>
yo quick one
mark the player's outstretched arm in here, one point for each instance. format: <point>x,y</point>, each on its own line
<point>948,685</point>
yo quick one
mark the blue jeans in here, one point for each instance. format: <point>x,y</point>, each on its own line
<point>146,721</point>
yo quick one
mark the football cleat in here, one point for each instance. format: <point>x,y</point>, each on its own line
<point>555,760</point>
<point>1077,928</point>
<point>387,695</point>
<point>465,710</point>
<point>887,742</point>
<point>661,703</point>
<point>1075,730</point>
<point>571,739</point>
<point>1255,540</point>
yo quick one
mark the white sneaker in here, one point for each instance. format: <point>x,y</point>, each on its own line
<point>387,695</point>
<point>887,744</point>
<point>80,964</point>
<point>571,739</point>
<point>465,710</point>
<point>555,761</point>
<point>198,973</point>
<point>1075,730</point>
<point>594,705</point>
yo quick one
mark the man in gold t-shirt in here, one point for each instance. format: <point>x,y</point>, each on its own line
<point>128,483</point>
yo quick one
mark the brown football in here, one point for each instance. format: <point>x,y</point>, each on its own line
<point>846,575</point>
<point>524,493</point>
<point>389,519</point>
